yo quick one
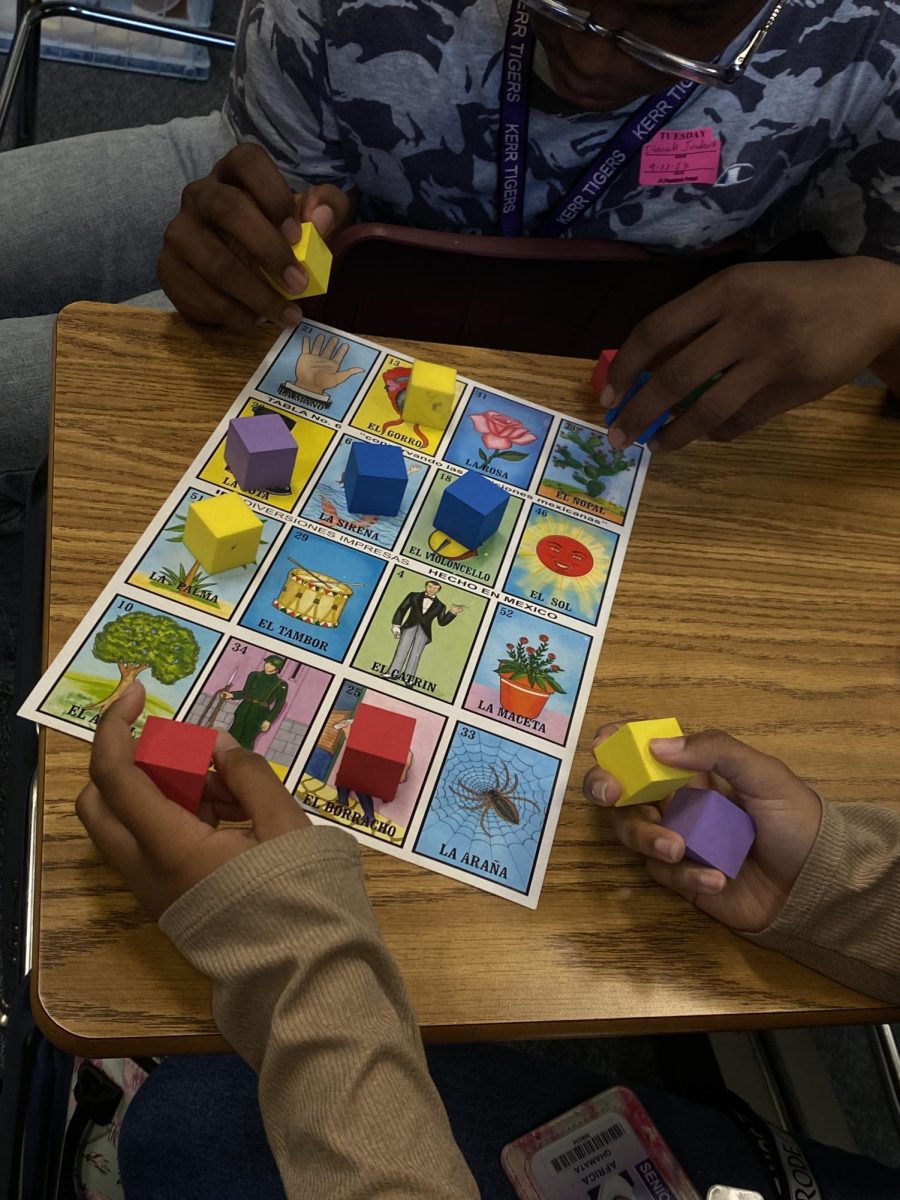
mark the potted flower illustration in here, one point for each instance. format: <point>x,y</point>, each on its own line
<point>528,676</point>
<point>499,433</point>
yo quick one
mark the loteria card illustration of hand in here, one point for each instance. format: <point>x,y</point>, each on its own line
<point>319,364</point>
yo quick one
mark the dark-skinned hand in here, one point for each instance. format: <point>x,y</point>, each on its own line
<point>784,334</point>
<point>787,814</point>
<point>237,222</point>
<point>160,849</point>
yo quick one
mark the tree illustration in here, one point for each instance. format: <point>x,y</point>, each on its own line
<point>138,642</point>
<point>597,463</point>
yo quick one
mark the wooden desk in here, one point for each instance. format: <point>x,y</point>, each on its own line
<point>759,593</point>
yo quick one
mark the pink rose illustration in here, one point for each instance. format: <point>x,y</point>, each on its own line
<point>501,432</point>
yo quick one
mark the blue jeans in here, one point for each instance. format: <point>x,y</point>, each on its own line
<point>194,1130</point>
<point>81,219</point>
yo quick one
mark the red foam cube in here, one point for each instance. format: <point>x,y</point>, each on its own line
<point>601,369</point>
<point>176,756</point>
<point>376,752</point>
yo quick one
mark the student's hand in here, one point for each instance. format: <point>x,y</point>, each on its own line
<point>330,209</point>
<point>787,814</point>
<point>783,333</point>
<point>240,219</point>
<point>161,849</point>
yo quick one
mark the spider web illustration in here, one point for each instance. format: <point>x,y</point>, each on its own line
<point>481,764</point>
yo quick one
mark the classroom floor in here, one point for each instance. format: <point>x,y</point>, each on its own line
<point>75,100</point>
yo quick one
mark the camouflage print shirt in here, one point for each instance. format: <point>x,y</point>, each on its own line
<point>400,98</point>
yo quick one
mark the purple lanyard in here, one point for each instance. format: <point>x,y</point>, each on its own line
<point>606,167</point>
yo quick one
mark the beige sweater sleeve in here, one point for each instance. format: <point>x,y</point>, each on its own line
<point>842,917</point>
<point>306,991</point>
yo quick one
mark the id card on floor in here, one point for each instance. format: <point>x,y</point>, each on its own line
<point>605,1149</point>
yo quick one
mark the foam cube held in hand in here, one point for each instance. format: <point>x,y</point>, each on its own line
<point>375,479</point>
<point>176,756</point>
<point>222,532</point>
<point>429,395</point>
<point>716,832</point>
<point>626,756</point>
<point>601,369</point>
<point>376,752</point>
<point>314,257</point>
<point>260,453</point>
<point>471,509</point>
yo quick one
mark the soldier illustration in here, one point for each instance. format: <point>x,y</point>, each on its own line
<point>412,624</point>
<point>261,700</point>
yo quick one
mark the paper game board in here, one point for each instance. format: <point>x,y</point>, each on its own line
<point>281,652</point>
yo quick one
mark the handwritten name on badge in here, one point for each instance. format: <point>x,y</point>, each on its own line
<point>678,156</point>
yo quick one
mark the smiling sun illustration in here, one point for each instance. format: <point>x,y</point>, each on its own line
<point>565,555</point>
<point>566,559</point>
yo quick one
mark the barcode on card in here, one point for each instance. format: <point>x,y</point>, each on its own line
<point>583,1149</point>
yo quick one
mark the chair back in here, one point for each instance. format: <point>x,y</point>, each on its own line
<point>549,295</point>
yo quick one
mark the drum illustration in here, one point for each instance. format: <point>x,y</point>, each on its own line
<point>315,599</point>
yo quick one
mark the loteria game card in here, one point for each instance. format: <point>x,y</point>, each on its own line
<point>605,1149</point>
<point>491,651</point>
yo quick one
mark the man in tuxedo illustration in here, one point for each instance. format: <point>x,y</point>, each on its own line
<point>412,624</point>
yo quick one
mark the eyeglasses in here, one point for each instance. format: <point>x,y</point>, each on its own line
<point>715,74</point>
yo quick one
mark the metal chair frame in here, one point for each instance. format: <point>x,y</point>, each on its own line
<point>887,1053</point>
<point>24,53</point>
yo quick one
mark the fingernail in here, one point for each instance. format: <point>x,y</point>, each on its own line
<point>666,745</point>
<point>598,791</point>
<point>295,279</point>
<point>710,881</point>
<point>291,317</point>
<point>668,849</point>
<point>608,395</point>
<point>323,218</point>
<point>290,230</point>
<point>617,439</point>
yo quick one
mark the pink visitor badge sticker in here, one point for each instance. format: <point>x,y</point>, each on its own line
<point>676,156</point>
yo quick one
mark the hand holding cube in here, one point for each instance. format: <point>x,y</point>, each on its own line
<point>677,848</point>
<point>162,849</point>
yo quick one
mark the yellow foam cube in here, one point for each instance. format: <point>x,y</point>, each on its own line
<point>314,257</point>
<point>430,394</point>
<point>222,532</point>
<point>626,755</point>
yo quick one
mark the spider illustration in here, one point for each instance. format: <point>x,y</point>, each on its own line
<point>499,799</point>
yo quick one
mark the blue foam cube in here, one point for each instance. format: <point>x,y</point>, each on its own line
<point>471,509</point>
<point>375,479</point>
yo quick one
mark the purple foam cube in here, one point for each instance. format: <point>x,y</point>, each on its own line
<point>716,832</point>
<point>260,453</point>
